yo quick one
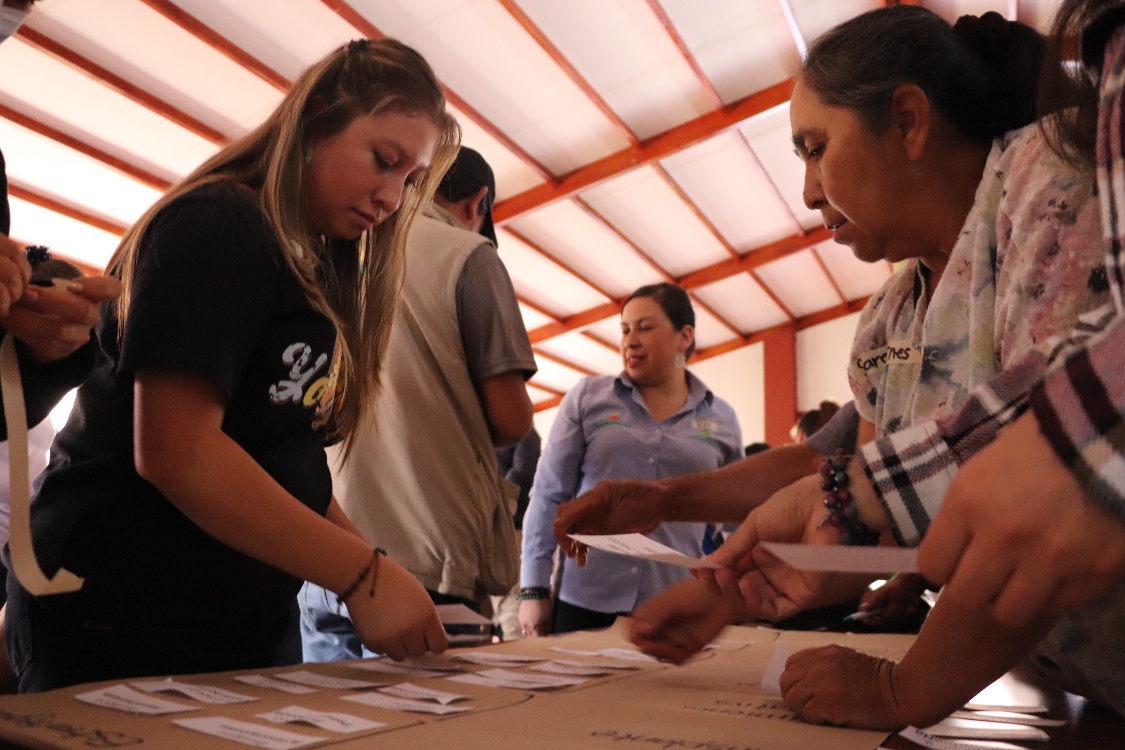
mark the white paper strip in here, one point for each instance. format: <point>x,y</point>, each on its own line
<point>846,559</point>
<point>639,545</point>
<point>124,698</point>
<point>328,720</point>
<point>203,693</point>
<point>944,743</point>
<point>378,665</point>
<point>624,654</point>
<point>25,565</point>
<point>269,682</point>
<point>459,614</point>
<point>554,667</point>
<point>305,677</point>
<point>417,692</point>
<point>1009,717</point>
<point>595,664</point>
<point>985,730</point>
<point>492,657</point>
<point>771,677</point>
<point>246,733</point>
<point>517,680</point>
<point>378,700</point>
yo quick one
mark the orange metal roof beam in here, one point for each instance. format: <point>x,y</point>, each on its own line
<point>51,204</point>
<point>715,272</point>
<point>652,149</point>
<point>127,168</point>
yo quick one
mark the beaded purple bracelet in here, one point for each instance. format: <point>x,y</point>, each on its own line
<point>842,512</point>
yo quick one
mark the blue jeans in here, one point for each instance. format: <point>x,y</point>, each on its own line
<point>327,633</point>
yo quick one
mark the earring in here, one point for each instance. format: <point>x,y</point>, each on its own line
<point>309,150</point>
<point>681,359</point>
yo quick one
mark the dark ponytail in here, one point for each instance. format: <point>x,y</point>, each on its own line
<point>981,74</point>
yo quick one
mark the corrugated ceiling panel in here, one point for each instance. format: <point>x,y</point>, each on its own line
<point>158,56</point>
<point>75,104</point>
<point>726,184</point>
<point>606,330</point>
<point>951,10</point>
<point>531,318</point>
<point>537,395</point>
<point>578,348</point>
<point>504,75</point>
<point>513,175</point>
<point>287,35</point>
<point>855,278</point>
<point>648,211</point>
<point>544,282</point>
<point>742,301</point>
<point>553,375</point>
<point>709,330</point>
<point>1038,13</point>
<point>817,16</point>
<point>742,47</point>
<point>771,138</point>
<point>576,239</point>
<point>48,167</point>
<point>800,283</point>
<point>625,54</point>
<point>35,225</point>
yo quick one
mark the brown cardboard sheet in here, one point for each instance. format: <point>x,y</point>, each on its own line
<point>714,702</point>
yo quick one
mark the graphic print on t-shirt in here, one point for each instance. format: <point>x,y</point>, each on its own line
<point>296,357</point>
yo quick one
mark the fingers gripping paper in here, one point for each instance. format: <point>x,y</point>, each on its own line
<point>24,564</point>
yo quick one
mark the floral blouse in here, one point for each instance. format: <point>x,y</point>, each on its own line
<point>1021,272</point>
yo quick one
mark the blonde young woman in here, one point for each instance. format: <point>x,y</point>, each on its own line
<point>190,487</point>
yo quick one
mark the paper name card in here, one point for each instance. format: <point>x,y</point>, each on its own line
<point>417,692</point>
<point>639,545</point>
<point>771,676</point>
<point>387,667</point>
<point>327,720</point>
<point>919,737</point>
<point>247,733</point>
<point>1009,694</point>
<point>624,654</point>
<point>459,614</point>
<point>841,558</point>
<point>591,664</point>
<point>493,658</point>
<point>575,670</point>
<point>1009,717</point>
<point>305,677</point>
<point>201,693</point>
<point>390,702</point>
<point>985,730</point>
<point>517,680</point>
<point>262,681</point>
<point>124,698</point>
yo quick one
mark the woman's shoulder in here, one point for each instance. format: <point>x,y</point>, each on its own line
<point>221,199</point>
<point>1027,154</point>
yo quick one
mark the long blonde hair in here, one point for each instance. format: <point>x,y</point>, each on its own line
<point>355,283</point>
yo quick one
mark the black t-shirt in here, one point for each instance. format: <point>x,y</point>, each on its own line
<point>212,296</point>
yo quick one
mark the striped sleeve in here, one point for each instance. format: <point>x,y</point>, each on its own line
<point>1081,411</point>
<point>911,470</point>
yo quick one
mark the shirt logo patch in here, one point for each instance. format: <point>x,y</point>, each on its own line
<point>612,419</point>
<point>706,427</point>
<point>292,390</point>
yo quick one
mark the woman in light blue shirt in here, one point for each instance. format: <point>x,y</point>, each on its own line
<point>654,420</point>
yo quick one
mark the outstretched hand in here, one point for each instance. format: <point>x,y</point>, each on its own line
<point>55,321</point>
<point>1018,536</point>
<point>612,507</point>
<point>755,582</point>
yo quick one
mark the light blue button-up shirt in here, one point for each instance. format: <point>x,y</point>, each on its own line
<point>604,431</point>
